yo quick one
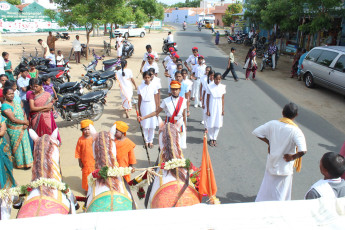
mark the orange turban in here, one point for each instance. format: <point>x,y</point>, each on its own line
<point>85,123</point>
<point>175,85</point>
<point>121,126</point>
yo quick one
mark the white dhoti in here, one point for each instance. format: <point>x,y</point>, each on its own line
<point>119,51</point>
<point>275,188</point>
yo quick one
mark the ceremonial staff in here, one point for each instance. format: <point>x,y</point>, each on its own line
<point>142,134</point>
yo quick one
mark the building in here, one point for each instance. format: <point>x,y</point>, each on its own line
<point>188,14</point>
<point>218,13</point>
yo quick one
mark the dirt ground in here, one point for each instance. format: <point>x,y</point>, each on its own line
<point>70,131</point>
<point>329,105</point>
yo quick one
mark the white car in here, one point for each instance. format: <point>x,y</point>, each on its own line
<point>130,31</point>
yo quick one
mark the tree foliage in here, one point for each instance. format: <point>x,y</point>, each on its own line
<point>229,18</point>
<point>193,3</point>
<point>146,11</point>
<point>14,2</point>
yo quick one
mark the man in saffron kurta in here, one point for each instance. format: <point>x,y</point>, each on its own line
<point>84,152</point>
<point>124,147</point>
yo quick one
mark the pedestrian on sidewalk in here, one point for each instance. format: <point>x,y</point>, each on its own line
<point>215,108</point>
<point>250,63</point>
<point>231,65</point>
<point>272,51</point>
<point>282,137</point>
<point>296,58</point>
<point>77,49</point>
<point>304,54</point>
<point>217,38</point>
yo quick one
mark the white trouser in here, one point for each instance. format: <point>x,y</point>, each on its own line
<point>213,133</point>
<point>204,117</point>
<point>274,61</point>
<point>196,91</point>
<point>149,135</point>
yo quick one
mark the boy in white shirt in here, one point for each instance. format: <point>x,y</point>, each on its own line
<point>198,71</point>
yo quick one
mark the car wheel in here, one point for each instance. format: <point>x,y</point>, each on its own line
<point>126,36</point>
<point>309,80</point>
<point>142,34</point>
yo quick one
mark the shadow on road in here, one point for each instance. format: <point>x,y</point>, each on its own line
<point>232,197</point>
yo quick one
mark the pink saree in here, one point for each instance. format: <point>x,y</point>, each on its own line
<point>342,152</point>
<point>42,122</point>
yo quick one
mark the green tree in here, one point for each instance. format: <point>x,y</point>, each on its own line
<point>253,11</point>
<point>193,3</point>
<point>146,11</point>
<point>14,2</point>
<point>229,18</point>
<point>52,14</point>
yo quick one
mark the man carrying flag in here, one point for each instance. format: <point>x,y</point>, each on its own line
<point>174,107</point>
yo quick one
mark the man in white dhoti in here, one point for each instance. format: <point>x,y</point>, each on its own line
<point>332,166</point>
<point>282,137</point>
<point>198,71</point>
<point>175,108</point>
<point>147,97</point>
<point>215,108</point>
<point>125,79</point>
<point>119,45</point>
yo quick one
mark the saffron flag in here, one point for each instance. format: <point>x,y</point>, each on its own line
<point>207,185</point>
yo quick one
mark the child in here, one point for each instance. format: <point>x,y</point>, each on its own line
<point>84,152</point>
<point>33,71</point>
<point>8,66</point>
<point>215,108</point>
<point>151,64</point>
<point>209,80</point>
<point>157,82</point>
<point>147,97</point>
<point>124,147</point>
<point>52,59</point>
<point>189,83</point>
<point>48,86</point>
<point>198,71</point>
<point>332,166</point>
<point>59,59</point>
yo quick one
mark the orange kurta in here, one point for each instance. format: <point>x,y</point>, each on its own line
<point>125,154</point>
<point>84,152</point>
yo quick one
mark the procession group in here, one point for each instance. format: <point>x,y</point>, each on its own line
<point>190,83</point>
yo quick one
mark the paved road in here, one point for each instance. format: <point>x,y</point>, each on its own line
<point>239,160</point>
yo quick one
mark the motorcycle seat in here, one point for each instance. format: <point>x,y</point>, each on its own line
<point>107,74</point>
<point>50,74</point>
<point>92,96</point>
<point>56,69</point>
<point>67,85</point>
<point>110,62</point>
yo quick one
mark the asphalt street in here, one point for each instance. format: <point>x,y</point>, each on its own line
<point>239,159</point>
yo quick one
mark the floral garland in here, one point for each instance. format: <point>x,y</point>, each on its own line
<point>26,189</point>
<point>176,163</point>
<point>106,172</point>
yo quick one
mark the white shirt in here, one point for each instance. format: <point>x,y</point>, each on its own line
<point>250,34</point>
<point>156,82</point>
<point>199,70</point>
<point>172,69</point>
<point>168,60</point>
<point>283,139</point>
<point>147,66</point>
<point>170,38</point>
<point>189,83</point>
<point>76,45</point>
<point>59,60</point>
<point>192,60</point>
<point>52,58</point>
<point>169,105</point>
<point>119,41</point>
<point>147,92</point>
<point>2,65</point>
<point>147,54</point>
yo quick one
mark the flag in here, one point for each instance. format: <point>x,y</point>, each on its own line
<point>207,184</point>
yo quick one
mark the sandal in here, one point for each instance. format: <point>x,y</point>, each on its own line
<point>215,143</point>
<point>150,145</point>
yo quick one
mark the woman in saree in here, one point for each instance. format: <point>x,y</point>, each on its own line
<point>17,124</point>
<point>41,113</point>
<point>6,168</point>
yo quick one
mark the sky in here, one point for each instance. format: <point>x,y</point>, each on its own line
<point>170,2</point>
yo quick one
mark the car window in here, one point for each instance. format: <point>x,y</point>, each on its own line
<point>326,57</point>
<point>313,55</point>
<point>340,65</point>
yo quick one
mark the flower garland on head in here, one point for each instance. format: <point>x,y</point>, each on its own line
<point>176,163</point>
<point>26,189</point>
<point>106,172</point>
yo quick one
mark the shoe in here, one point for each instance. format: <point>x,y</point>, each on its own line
<point>223,78</point>
<point>202,122</point>
<point>200,105</point>
<point>236,80</point>
<point>195,106</point>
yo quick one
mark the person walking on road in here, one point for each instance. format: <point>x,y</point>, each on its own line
<point>272,51</point>
<point>231,65</point>
<point>215,108</point>
<point>282,137</point>
<point>198,71</point>
<point>217,38</point>
<point>250,63</point>
<point>146,55</point>
<point>192,60</point>
<point>77,49</point>
<point>119,45</point>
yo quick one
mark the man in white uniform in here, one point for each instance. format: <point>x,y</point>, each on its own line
<point>282,137</point>
<point>149,51</point>
<point>198,71</point>
<point>174,107</point>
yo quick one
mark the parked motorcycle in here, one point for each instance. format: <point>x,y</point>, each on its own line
<point>75,107</point>
<point>99,80</point>
<point>267,61</point>
<point>112,64</point>
<point>93,64</point>
<point>166,46</point>
<point>248,41</point>
<point>69,87</point>
<point>63,36</point>
<point>128,49</point>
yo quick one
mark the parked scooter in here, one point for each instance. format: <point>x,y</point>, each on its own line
<point>91,67</point>
<point>63,36</point>
<point>166,46</point>
<point>99,80</point>
<point>73,107</point>
<point>267,61</point>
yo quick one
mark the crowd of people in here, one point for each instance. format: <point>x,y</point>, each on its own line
<point>28,103</point>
